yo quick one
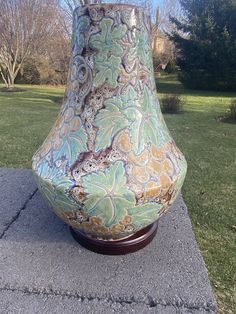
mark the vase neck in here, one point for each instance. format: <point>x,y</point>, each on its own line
<point>111,53</point>
<point>87,2</point>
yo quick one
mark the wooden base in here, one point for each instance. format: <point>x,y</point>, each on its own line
<point>129,245</point>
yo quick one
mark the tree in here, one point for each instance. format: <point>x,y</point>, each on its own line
<point>67,8</point>
<point>206,39</point>
<point>24,27</point>
<point>53,60</point>
<point>164,11</point>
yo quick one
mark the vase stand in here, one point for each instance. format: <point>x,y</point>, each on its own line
<point>131,244</point>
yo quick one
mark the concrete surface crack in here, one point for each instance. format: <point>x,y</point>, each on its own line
<point>208,308</point>
<point>18,214</point>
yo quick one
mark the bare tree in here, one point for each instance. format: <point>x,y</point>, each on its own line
<point>168,9</point>
<point>53,59</point>
<point>67,9</point>
<point>24,26</point>
<point>163,49</point>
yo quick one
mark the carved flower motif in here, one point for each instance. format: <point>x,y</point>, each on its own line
<point>107,41</point>
<point>108,197</point>
<point>107,71</point>
<point>109,52</point>
<point>138,116</point>
<point>142,49</point>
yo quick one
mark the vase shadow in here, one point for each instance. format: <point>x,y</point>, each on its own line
<point>37,223</point>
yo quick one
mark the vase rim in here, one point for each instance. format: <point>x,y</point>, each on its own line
<point>119,5</point>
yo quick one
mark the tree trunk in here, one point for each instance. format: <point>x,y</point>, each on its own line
<point>4,79</point>
<point>11,81</point>
<point>8,77</point>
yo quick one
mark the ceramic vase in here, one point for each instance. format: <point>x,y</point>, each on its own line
<point>109,167</point>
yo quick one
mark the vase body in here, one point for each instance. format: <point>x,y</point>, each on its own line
<point>109,167</point>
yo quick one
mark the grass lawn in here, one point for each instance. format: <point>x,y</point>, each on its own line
<point>210,149</point>
<point>25,120</point>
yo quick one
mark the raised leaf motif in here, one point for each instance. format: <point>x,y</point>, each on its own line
<point>142,49</point>
<point>151,128</point>
<point>55,189</point>
<point>109,52</point>
<point>73,144</point>
<point>108,71</point>
<point>129,98</point>
<point>147,126</point>
<point>119,113</point>
<point>144,215</point>
<point>140,117</point>
<point>107,194</point>
<point>107,42</point>
<point>110,126</point>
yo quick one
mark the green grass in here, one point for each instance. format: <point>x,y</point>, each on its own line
<point>25,120</point>
<point>210,186</point>
<point>209,147</point>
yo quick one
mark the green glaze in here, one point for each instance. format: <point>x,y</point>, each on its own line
<point>108,196</point>
<point>107,41</point>
<point>108,71</point>
<point>109,167</point>
<point>142,49</point>
<point>108,58</point>
<point>140,117</point>
<point>144,214</point>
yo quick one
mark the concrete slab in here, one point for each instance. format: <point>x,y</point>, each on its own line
<point>41,265</point>
<point>24,303</point>
<point>16,187</point>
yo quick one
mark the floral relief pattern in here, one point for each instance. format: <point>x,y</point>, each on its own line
<point>142,49</point>
<point>108,197</point>
<point>108,58</point>
<point>140,117</point>
<point>107,41</point>
<point>108,70</point>
<point>109,166</point>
